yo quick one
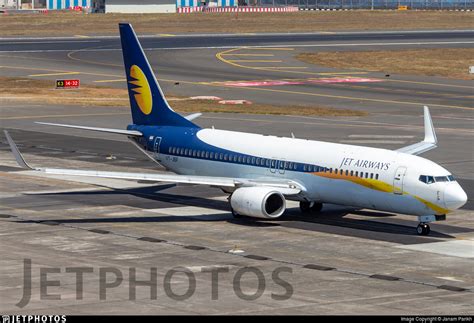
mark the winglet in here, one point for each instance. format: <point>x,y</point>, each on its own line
<point>19,158</point>
<point>430,135</point>
<point>430,141</point>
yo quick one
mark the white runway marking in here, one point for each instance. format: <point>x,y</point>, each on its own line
<point>455,248</point>
<point>250,47</point>
<point>451,279</point>
<point>199,269</point>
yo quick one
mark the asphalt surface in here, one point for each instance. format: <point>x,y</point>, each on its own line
<point>343,261</point>
<point>233,40</point>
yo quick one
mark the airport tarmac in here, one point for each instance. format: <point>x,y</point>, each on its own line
<point>343,261</point>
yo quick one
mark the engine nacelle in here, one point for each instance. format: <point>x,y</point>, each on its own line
<point>258,202</point>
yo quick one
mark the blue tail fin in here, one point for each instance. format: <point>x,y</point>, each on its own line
<point>148,104</point>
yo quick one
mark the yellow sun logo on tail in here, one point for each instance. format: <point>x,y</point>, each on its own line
<point>143,92</point>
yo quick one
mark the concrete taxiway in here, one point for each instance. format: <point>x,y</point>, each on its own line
<point>343,261</point>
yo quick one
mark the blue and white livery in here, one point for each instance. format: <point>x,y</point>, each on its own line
<point>262,172</point>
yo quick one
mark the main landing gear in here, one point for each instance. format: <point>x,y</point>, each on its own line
<point>310,207</point>
<point>423,229</point>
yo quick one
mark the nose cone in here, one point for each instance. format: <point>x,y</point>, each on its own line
<point>454,196</point>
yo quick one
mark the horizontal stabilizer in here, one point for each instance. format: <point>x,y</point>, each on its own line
<point>132,133</point>
<point>193,116</point>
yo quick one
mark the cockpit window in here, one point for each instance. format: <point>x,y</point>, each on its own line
<point>431,179</point>
<point>427,179</point>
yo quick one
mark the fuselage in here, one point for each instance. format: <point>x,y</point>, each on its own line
<point>349,175</point>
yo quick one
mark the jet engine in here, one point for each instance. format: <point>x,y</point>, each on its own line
<point>258,202</point>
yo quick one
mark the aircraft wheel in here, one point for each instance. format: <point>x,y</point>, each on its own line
<point>310,207</point>
<point>423,229</point>
<point>305,207</point>
<point>316,207</point>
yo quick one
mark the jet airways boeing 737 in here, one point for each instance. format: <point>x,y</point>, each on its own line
<point>262,172</point>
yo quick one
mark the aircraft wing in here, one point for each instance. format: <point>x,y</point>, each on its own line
<point>286,187</point>
<point>430,141</point>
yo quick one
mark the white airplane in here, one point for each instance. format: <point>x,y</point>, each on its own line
<point>262,172</point>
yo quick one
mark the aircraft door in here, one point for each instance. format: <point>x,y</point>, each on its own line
<point>281,166</point>
<point>156,145</point>
<point>273,165</point>
<point>398,180</point>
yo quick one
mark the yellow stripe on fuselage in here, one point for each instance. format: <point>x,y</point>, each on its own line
<point>378,185</point>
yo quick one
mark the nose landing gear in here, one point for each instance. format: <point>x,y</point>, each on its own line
<point>423,229</point>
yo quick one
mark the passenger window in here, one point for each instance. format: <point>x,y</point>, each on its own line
<point>366,175</point>
<point>371,175</point>
<point>376,176</point>
<point>295,166</point>
<point>305,167</point>
<point>221,156</point>
<point>225,157</point>
<point>352,173</point>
